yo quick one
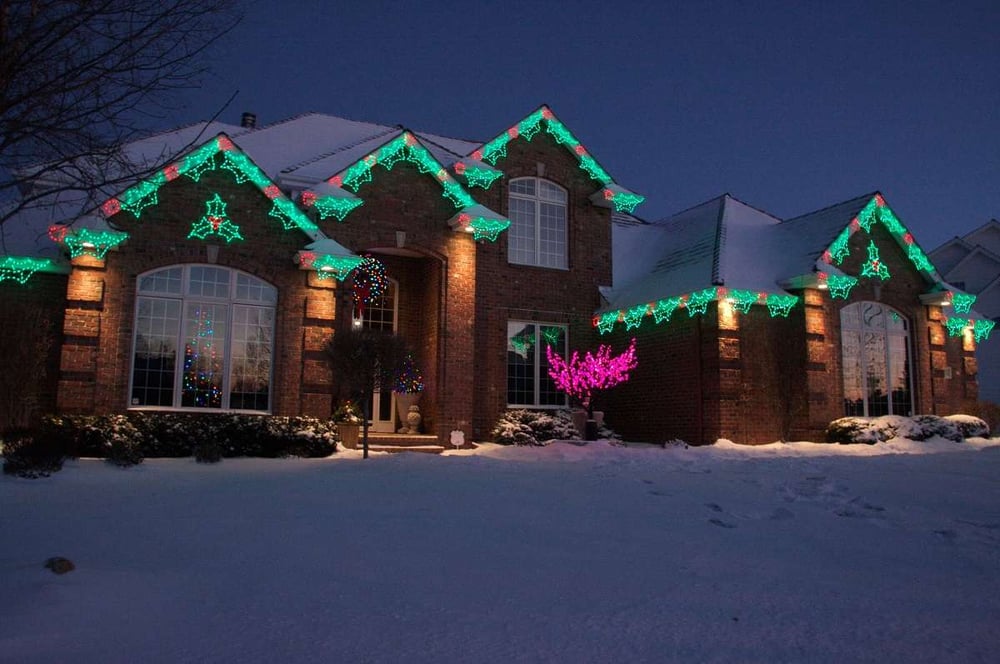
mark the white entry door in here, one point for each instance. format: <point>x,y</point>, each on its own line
<point>381,314</point>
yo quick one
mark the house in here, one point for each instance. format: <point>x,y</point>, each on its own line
<point>972,263</point>
<point>214,284</point>
<point>755,329</point>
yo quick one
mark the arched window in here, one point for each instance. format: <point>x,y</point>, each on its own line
<point>537,234</point>
<point>204,338</point>
<point>875,340</point>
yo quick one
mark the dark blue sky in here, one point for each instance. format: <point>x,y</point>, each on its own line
<point>787,106</point>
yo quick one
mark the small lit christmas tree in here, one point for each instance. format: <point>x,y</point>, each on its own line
<point>409,379</point>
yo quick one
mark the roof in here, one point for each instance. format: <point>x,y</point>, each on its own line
<point>725,242</point>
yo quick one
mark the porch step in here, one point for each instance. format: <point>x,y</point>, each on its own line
<point>400,442</point>
<point>426,449</point>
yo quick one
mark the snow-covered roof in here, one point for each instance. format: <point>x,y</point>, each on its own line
<point>725,242</point>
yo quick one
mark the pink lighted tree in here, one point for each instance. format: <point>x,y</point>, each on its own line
<point>581,378</point>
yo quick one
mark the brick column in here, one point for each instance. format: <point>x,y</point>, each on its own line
<point>315,380</point>
<point>81,335</point>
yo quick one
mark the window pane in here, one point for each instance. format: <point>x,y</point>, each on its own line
<point>524,186</point>
<point>554,336</point>
<point>550,192</point>
<point>854,403</point>
<point>875,373</point>
<point>157,325</point>
<point>552,235</point>
<point>204,355</point>
<point>521,234</point>
<point>537,235</point>
<point>162,281</point>
<point>204,281</point>
<point>250,373</point>
<point>251,288</point>
<point>520,364</point>
<point>899,379</point>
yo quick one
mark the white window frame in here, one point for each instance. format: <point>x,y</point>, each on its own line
<point>537,200</point>
<point>184,298</point>
<point>537,364</point>
<point>858,331</point>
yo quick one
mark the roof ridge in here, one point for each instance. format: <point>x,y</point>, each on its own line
<point>829,207</point>
<point>342,148</point>
<point>989,223</point>
<point>720,238</point>
<point>688,209</point>
<point>423,137</point>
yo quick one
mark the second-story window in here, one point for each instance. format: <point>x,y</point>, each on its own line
<point>537,234</point>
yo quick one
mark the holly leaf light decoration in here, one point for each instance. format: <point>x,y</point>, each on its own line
<point>874,267</point>
<point>215,222</point>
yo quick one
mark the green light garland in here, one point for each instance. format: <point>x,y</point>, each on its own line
<point>841,285</point>
<point>874,211</point>
<point>405,147</point>
<point>697,303</point>
<point>92,243</point>
<point>780,305</point>
<point>840,250</point>
<point>328,266</point>
<point>625,201</point>
<point>743,300</point>
<point>606,321</point>
<point>634,316</point>
<point>488,229</point>
<point>20,269</point>
<point>215,222</point>
<point>528,128</point>
<point>982,329</point>
<point>336,207</point>
<point>141,196</point>
<point>137,198</point>
<point>874,267</point>
<point>664,309</point>
<point>962,302</point>
<point>481,177</point>
<point>956,325</point>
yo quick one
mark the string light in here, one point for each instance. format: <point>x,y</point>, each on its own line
<point>841,285</point>
<point>634,316</point>
<point>606,321</point>
<point>20,268</point>
<point>982,329</point>
<point>369,282</point>
<point>664,309</point>
<point>697,303</point>
<point>743,300</point>
<point>956,326</point>
<point>488,229</point>
<point>215,222</point>
<point>84,241</point>
<point>962,302</point>
<point>203,159</point>
<point>874,267</point>
<point>624,201</point>
<point>780,305</point>
<point>328,266</point>
<point>480,177</point>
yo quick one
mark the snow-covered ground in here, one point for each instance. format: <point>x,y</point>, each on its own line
<point>783,553</point>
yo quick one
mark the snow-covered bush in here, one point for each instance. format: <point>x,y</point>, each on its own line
<point>27,455</point>
<point>534,427</point>
<point>970,426</point>
<point>934,425</point>
<point>871,430</point>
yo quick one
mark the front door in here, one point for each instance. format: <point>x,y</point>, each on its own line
<point>381,315</point>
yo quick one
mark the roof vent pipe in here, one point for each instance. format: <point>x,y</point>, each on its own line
<point>248,120</point>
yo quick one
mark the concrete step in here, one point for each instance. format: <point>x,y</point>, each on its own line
<point>392,449</point>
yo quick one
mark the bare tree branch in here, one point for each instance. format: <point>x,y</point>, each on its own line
<point>78,80</point>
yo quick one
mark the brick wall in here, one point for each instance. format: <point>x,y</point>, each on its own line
<point>100,297</point>
<point>756,379</point>
<point>31,331</point>
<point>506,291</point>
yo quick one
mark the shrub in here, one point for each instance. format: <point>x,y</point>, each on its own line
<point>29,455</point>
<point>969,426</point>
<point>933,425</point>
<point>533,427</point>
<point>208,451</point>
<point>871,430</point>
<point>989,412</point>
